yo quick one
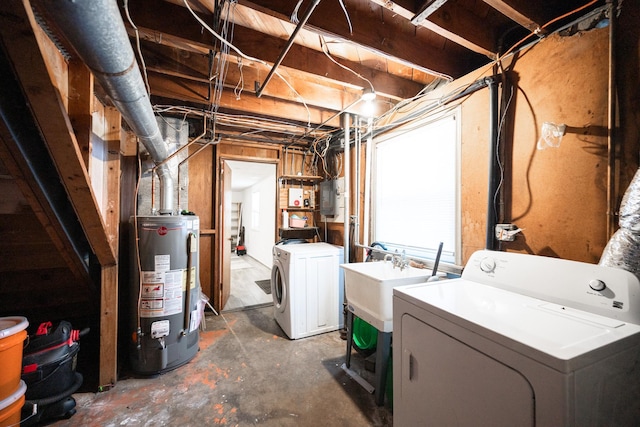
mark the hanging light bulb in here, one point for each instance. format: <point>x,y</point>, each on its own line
<point>368,95</point>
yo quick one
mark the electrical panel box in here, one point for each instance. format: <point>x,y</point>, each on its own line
<point>337,198</point>
<point>328,197</point>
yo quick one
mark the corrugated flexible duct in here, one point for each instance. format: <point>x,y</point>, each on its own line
<point>623,249</point>
<point>96,31</point>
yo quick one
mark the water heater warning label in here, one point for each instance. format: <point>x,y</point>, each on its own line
<point>152,291</point>
<point>161,293</point>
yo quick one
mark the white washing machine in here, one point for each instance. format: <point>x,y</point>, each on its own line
<point>518,340</point>
<point>307,288</point>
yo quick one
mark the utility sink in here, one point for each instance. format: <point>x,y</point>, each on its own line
<point>369,289</point>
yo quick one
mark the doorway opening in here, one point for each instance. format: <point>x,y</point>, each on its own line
<point>253,219</point>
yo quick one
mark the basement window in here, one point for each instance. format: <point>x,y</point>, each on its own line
<point>416,187</point>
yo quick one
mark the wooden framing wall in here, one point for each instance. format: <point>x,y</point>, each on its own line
<point>202,202</point>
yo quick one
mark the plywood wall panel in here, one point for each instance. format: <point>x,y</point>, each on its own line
<point>474,163</point>
<point>557,195</point>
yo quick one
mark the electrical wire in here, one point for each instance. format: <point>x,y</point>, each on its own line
<point>247,57</point>
<point>226,33</point>
<point>237,91</point>
<point>325,50</point>
<point>498,161</point>
<point>137,247</point>
<point>539,30</point>
<point>423,95</point>
<point>346,14</point>
<point>294,15</point>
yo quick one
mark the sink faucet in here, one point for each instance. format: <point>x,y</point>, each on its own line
<point>398,260</point>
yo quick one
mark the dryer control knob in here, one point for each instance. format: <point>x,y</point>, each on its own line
<point>487,265</point>
<point>597,285</point>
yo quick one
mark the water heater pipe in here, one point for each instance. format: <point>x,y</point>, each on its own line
<point>96,31</point>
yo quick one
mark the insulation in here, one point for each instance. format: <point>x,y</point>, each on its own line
<point>623,249</point>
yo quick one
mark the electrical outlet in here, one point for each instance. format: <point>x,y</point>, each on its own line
<point>506,232</point>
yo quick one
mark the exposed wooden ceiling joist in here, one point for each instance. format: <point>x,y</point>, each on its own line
<point>265,106</point>
<point>524,12</point>
<point>179,68</point>
<point>380,30</point>
<point>454,23</point>
<point>317,65</point>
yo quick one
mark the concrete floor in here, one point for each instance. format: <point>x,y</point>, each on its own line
<point>247,372</point>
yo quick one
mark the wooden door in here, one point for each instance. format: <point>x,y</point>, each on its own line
<point>225,237</point>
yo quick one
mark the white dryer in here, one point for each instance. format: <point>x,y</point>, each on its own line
<point>518,340</point>
<point>307,288</point>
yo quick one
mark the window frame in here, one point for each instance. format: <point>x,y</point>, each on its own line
<point>429,253</point>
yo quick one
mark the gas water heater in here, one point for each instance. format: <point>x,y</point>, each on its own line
<point>165,292</point>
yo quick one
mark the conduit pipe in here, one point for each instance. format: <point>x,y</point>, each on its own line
<point>346,126</point>
<point>492,83</point>
<point>305,18</point>
<point>96,31</point>
<point>356,184</point>
<point>611,124</point>
<point>368,161</point>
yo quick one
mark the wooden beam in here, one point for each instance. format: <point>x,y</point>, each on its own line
<point>109,277</point>
<point>240,79</point>
<point>265,106</point>
<point>427,9</point>
<point>108,327</point>
<point>454,23</point>
<point>113,125</point>
<point>19,35</point>
<point>316,63</point>
<point>81,105</point>
<point>521,11</point>
<point>175,61</point>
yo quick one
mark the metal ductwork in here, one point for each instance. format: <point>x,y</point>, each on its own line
<point>623,249</point>
<point>96,31</point>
